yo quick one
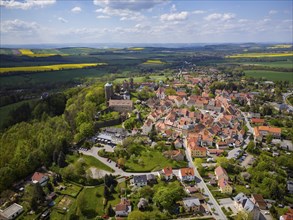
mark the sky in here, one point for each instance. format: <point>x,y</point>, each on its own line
<point>144,21</point>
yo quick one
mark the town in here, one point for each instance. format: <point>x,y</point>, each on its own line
<point>184,147</point>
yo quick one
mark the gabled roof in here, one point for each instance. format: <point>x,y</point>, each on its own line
<point>38,176</point>
<point>223,183</point>
<point>140,179</point>
<point>220,171</point>
<point>191,202</point>
<point>187,172</point>
<point>168,171</point>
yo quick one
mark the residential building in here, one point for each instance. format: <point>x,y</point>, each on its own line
<point>121,105</point>
<point>243,203</point>
<point>174,154</point>
<point>197,151</point>
<point>192,205</point>
<point>40,178</point>
<point>259,201</point>
<point>288,215</point>
<point>140,180</point>
<point>224,186</point>
<point>186,174</point>
<point>123,208</point>
<point>11,212</point>
<point>166,173</point>
<point>262,131</point>
<point>220,173</point>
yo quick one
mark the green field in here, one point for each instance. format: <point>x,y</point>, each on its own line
<point>276,64</point>
<point>270,75</point>
<point>54,77</point>
<point>49,67</point>
<point>4,111</point>
<point>141,79</point>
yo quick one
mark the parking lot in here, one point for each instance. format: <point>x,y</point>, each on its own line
<point>228,202</point>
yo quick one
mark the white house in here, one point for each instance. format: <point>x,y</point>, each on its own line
<point>123,208</point>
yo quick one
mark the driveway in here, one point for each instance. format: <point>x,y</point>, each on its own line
<point>228,202</point>
<point>247,160</point>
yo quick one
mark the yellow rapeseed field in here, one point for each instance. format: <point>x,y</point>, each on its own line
<point>27,52</point>
<point>258,55</point>
<point>136,48</point>
<point>154,62</point>
<point>49,67</point>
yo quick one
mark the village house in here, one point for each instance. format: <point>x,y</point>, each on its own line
<point>140,180</point>
<point>160,93</point>
<point>178,143</point>
<point>197,151</point>
<point>123,208</point>
<point>11,212</point>
<point>40,178</point>
<point>288,215</point>
<point>220,173</point>
<point>259,201</point>
<point>257,121</point>
<point>191,189</point>
<point>147,126</point>
<point>224,186</point>
<point>166,173</point>
<point>186,174</point>
<point>243,203</point>
<point>262,131</point>
<point>174,155</point>
<point>192,205</point>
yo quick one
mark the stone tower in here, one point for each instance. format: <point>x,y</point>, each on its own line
<point>108,91</point>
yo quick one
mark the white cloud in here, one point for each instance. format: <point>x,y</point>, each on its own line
<point>18,26</point>
<point>272,12</point>
<point>27,4</point>
<point>181,16</point>
<point>103,16</point>
<point>124,14</point>
<point>198,12</point>
<point>133,5</point>
<point>76,10</point>
<point>221,17</point>
<point>63,20</point>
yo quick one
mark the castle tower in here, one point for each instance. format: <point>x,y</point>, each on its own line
<point>108,91</point>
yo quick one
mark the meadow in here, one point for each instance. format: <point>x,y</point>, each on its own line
<point>49,67</point>
<point>141,79</point>
<point>274,64</point>
<point>270,75</point>
<point>260,55</point>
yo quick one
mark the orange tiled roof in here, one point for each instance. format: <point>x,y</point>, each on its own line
<point>168,171</point>
<point>187,172</point>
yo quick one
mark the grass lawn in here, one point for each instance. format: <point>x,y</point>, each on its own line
<point>92,198</point>
<point>71,189</point>
<point>270,75</point>
<point>240,188</point>
<point>90,162</point>
<point>151,161</point>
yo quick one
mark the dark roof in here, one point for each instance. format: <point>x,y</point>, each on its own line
<point>140,179</point>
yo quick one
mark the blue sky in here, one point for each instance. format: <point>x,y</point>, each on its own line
<point>144,21</point>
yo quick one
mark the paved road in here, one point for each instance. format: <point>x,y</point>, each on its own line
<point>218,214</point>
<point>285,95</point>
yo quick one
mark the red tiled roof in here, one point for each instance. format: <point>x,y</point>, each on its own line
<point>37,176</point>
<point>187,172</point>
<point>257,120</point>
<point>168,171</point>
<point>220,171</point>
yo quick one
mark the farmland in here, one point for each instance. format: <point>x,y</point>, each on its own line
<point>153,62</point>
<point>49,67</point>
<point>260,55</point>
<point>141,79</point>
<point>270,75</point>
<point>274,64</point>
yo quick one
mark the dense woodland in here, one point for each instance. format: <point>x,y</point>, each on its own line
<point>45,129</point>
